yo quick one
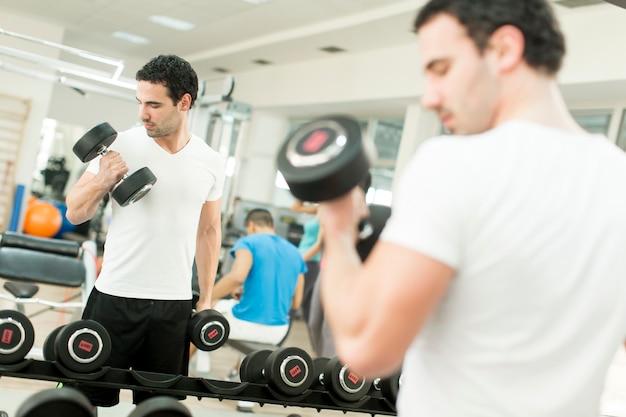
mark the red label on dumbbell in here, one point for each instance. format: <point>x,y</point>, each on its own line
<point>7,336</point>
<point>213,334</point>
<point>315,141</point>
<point>85,345</point>
<point>295,371</point>
<point>353,378</point>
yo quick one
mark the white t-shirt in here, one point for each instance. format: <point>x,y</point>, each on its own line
<point>150,244</point>
<point>533,220</point>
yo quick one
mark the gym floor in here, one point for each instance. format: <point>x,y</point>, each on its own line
<point>15,391</point>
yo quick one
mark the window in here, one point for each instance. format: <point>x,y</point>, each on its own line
<point>594,121</point>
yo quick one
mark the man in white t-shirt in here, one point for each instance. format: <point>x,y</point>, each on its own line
<point>498,284</point>
<point>143,293</point>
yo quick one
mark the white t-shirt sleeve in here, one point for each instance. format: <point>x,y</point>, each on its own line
<point>429,204</point>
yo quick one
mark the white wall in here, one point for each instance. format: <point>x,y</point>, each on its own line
<point>38,92</point>
<point>71,107</point>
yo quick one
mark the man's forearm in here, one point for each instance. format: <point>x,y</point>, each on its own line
<point>343,306</point>
<point>83,201</point>
<point>207,259</point>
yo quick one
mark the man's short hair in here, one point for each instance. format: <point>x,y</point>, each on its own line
<point>544,42</point>
<point>172,72</point>
<point>260,217</point>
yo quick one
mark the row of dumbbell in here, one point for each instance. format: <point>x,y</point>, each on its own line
<point>291,372</point>
<point>84,346</point>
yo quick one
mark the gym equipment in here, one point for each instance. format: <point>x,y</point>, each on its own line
<point>132,187</point>
<point>339,380</point>
<point>389,386</point>
<point>42,219</point>
<point>289,370</point>
<point>182,386</point>
<point>56,402</point>
<point>208,330</point>
<point>81,346</point>
<point>26,261</point>
<point>17,336</point>
<point>160,407</point>
<point>325,158</point>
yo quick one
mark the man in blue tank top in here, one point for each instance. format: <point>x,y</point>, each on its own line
<point>266,281</point>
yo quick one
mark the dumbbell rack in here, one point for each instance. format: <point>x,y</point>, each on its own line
<point>182,386</point>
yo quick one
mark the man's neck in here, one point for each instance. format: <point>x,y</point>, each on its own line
<point>175,142</point>
<point>536,99</point>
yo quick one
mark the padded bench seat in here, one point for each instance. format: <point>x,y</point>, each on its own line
<point>247,347</point>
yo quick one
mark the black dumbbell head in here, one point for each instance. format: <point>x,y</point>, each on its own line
<point>134,187</point>
<point>343,382</point>
<point>160,407</point>
<point>99,136</point>
<point>390,386</point>
<point>49,352</point>
<point>289,370</point>
<point>208,330</point>
<point>83,346</point>
<point>252,366</point>
<point>325,158</point>
<point>17,336</point>
<point>56,402</point>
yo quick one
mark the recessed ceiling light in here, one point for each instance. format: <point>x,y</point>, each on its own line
<point>256,1</point>
<point>172,23</point>
<point>129,37</point>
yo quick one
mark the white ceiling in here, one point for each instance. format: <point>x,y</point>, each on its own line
<point>229,34</point>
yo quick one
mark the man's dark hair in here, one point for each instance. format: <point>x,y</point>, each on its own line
<point>172,72</point>
<point>544,41</point>
<point>260,217</point>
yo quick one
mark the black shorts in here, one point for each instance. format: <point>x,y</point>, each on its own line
<point>146,335</point>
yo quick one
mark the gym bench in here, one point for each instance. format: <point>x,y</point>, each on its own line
<point>246,347</point>
<point>26,261</point>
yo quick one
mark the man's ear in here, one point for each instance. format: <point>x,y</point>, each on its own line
<point>508,44</point>
<point>185,102</point>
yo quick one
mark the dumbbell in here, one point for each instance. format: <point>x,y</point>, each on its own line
<point>325,158</point>
<point>208,330</point>
<point>132,187</point>
<point>160,407</point>
<point>17,336</point>
<point>339,380</point>
<point>56,402</point>
<point>82,346</point>
<point>288,370</point>
<point>389,386</point>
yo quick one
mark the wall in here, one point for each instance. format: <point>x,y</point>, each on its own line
<point>88,110</point>
<point>37,91</point>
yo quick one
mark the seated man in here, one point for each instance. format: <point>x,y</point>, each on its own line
<point>266,280</point>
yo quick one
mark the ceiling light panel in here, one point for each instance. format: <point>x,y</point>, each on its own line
<point>130,37</point>
<point>172,23</point>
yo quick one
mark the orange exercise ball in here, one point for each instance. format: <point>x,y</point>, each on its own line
<point>42,219</point>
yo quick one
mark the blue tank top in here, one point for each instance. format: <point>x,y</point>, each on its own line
<point>268,290</point>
